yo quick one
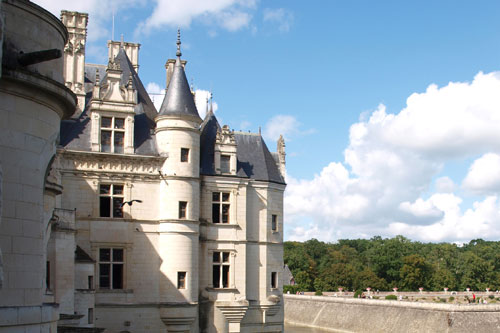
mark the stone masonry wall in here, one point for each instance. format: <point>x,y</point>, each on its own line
<point>366,315</point>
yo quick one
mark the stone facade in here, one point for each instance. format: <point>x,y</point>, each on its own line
<point>177,221</point>
<point>33,100</point>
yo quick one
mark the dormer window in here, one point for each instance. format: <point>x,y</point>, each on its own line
<point>225,163</point>
<point>112,134</point>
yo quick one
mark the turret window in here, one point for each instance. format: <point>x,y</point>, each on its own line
<point>220,207</point>
<point>274,222</point>
<point>182,209</point>
<point>184,154</point>
<point>112,134</point>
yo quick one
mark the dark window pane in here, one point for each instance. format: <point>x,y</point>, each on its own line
<point>184,154</point>
<point>215,213</point>
<point>224,163</point>
<point>225,197</point>
<point>181,280</point>
<point>104,271</point>
<point>104,189</point>
<point>225,256</point>
<point>119,123</point>
<point>117,209</point>
<point>225,213</point>
<point>105,206</point>
<point>117,254</point>
<point>117,276</point>
<point>216,196</point>
<point>182,209</point>
<point>104,255</point>
<point>216,257</point>
<point>119,142</point>
<point>118,189</point>
<point>106,122</point>
<point>273,280</point>
<point>274,222</point>
<point>106,141</point>
<point>225,276</point>
<point>216,276</point>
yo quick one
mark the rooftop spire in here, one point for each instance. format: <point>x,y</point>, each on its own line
<point>178,54</point>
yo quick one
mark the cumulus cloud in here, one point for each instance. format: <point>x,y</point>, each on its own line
<point>280,16</point>
<point>228,14</point>
<point>484,175</point>
<point>157,94</point>
<point>286,125</point>
<point>100,13</point>
<point>392,160</point>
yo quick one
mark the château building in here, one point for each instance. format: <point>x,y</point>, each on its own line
<point>177,222</point>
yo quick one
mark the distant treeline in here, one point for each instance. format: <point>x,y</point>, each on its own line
<point>395,262</point>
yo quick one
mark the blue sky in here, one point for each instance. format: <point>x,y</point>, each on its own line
<point>390,109</point>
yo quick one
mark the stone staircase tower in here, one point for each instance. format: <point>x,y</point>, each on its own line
<point>178,138</point>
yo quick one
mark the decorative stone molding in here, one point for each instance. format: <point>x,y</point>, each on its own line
<point>281,156</point>
<point>225,147</point>
<point>112,165</point>
<point>234,312</point>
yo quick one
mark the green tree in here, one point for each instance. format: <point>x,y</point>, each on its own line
<point>415,273</point>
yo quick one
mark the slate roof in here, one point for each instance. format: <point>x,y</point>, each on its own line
<point>179,99</point>
<point>82,256</point>
<point>254,159</point>
<point>75,132</point>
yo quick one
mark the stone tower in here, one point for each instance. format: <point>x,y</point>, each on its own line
<point>74,54</point>
<point>178,138</point>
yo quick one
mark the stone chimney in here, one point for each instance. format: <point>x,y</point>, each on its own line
<point>131,49</point>
<point>169,66</point>
<point>74,54</point>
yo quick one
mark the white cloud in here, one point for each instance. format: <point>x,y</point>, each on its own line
<point>286,125</point>
<point>391,161</point>
<point>484,175</point>
<point>281,16</point>
<point>100,13</point>
<point>445,185</point>
<point>157,94</point>
<point>229,14</point>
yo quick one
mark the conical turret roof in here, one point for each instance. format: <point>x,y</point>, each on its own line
<point>179,100</point>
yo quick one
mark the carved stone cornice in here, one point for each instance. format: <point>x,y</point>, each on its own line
<point>100,164</point>
<point>234,311</point>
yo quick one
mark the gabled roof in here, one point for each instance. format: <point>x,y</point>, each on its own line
<point>75,133</point>
<point>254,159</point>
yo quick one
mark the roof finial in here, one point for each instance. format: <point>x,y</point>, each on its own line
<point>122,43</point>
<point>211,103</point>
<point>178,54</point>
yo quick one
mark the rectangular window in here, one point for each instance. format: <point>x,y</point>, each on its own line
<point>182,209</point>
<point>184,154</point>
<point>181,280</point>
<point>225,164</point>
<point>221,267</point>
<point>47,275</point>
<point>274,222</point>
<point>110,200</point>
<point>220,207</point>
<point>112,134</point>
<point>111,268</point>
<point>91,282</point>
<point>274,280</point>
<point>90,316</point>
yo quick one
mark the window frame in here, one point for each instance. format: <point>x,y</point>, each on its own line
<point>185,152</point>
<point>223,268</point>
<point>112,129</point>
<point>274,222</point>
<point>111,195</point>
<point>223,209</point>
<point>223,159</point>
<point>111,271</point>
<point>183,208</point>
<point>181,280</point>
<point>274,280</point>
